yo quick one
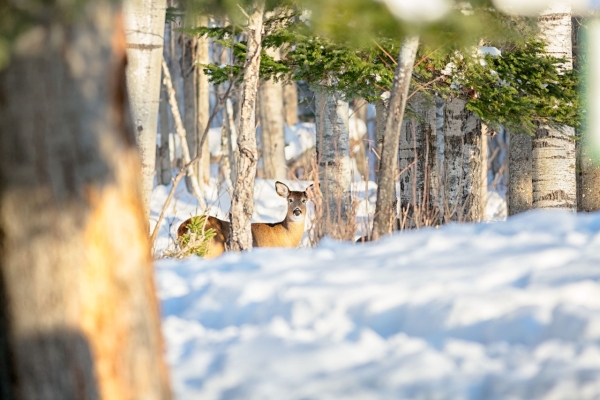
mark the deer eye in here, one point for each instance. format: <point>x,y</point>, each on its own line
<point>303,200</point>
<point>291,200</point>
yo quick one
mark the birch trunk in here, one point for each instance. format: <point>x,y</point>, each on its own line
<point>385,209</point>
<point>78,311</point>
<point>202,102</point>
<point>462,163</point>
<point>417,150</point>
<point>144,30</point>
<point>520,189</point>
<point>553,157</point>
<point>290,103</point>
<point>242,199</point>
<point>271,123</point>
<point>333,160</point>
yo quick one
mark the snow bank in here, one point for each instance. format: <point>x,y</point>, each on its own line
<point>486,311</point>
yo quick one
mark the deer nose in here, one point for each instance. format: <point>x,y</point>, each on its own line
<point>297,212</point>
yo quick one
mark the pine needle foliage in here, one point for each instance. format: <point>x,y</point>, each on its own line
<point>518,89</point>
<point>195,241</point>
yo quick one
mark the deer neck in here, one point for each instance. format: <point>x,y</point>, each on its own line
<point>294,228</point>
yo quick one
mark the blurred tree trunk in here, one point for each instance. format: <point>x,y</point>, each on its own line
<point>242,199</point>
<point>144,29</point>
<point>385,209</point>
<point>553,157</point>
<point>333,160</point>
<point>202,103</point>
<point>290,103</point>
<point>417,152</point>
<point>78,310</point>
<point>271,123</point>
<point>462,163</point>
<point>520,189</point>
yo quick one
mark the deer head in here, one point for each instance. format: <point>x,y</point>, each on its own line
<point>296,201</point>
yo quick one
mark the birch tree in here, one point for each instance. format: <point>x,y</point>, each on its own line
<point>144,28</point>
<point>462,163</point>
<point>242,199</point>
<point>553,155</point>
<point>79,314</point>
<point>333,160</point>
<point>385,210</point>
<point>417,151</point>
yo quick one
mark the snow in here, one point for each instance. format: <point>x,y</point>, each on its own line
<point>472,311</point>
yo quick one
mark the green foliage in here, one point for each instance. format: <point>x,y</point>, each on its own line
<point>517,89</point>
<point>195,241</point>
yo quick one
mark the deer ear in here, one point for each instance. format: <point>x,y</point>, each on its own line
<point>310,191</point>
<point>282,189</point>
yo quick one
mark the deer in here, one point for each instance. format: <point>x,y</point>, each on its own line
<point>286,233</point>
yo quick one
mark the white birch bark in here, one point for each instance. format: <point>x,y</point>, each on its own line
<point>385,210</point>
<point>242,199</point>
<point>462,163</point>
<point>144,30</point>
<point>271,125</point>
<point>553,177</point>
<point>333,160</point>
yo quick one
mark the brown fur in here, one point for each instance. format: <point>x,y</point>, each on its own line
<point>286,233</point>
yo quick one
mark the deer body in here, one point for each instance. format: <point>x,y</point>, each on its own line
<point>286,233</point>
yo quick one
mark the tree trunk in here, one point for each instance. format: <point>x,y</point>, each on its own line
<point>520,189</point>
<point>78,311</point>
<point>589,145</point>
<point>553,157</point>
<point>164,153</point>
<point>462,163</point>
<point>290,103</point>
<point>232,150</point>
<point>202,102</point>
<point>181,132</point>
<point>359,147</point>
<point>417,152</point>
<point>144,29</point>
<point>242,199</point>
<point>381,112</point>
<point>190,109</point>
<point>333,159</point>
<point>385,209</point>
<point>271,126</point>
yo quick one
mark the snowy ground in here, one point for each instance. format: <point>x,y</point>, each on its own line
<point>507,310</point>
